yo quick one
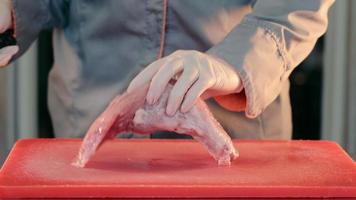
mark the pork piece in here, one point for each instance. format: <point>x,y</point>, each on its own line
<point>129,113</point>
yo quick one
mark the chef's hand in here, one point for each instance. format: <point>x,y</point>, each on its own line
<point>199,74</point>
<point>8,52</point>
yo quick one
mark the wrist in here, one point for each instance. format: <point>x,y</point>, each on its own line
<point>232,74</point>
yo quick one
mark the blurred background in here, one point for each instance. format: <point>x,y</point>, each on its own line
<point>323,88</point>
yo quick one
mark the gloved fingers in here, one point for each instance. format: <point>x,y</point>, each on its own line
<point>191,97</point>
<point>180,88</point>
<point>6,54</point>
<point>146,74</point>
<point>162,78</point>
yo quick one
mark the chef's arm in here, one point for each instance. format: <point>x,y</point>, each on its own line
<point>266,46</point>
<point>29,17</point>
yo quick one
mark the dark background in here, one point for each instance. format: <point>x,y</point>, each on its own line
<point>305,91</point>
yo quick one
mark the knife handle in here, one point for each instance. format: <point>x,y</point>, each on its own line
<point>7,39</point>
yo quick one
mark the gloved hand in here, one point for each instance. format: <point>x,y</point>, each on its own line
<point>8,52</point>
<point>198,74</point>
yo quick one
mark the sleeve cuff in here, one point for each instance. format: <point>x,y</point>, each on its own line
<point>257,54</point>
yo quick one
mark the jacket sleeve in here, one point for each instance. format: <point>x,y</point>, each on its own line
<point>32,16</point>
<point>267,45</point>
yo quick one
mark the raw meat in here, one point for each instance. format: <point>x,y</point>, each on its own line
<point>129,113</point>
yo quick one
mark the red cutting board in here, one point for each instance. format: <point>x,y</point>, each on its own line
<point>40,168</point>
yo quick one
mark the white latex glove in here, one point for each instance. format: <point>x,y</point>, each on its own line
<point>199,74</point>
<point>5,23</point>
